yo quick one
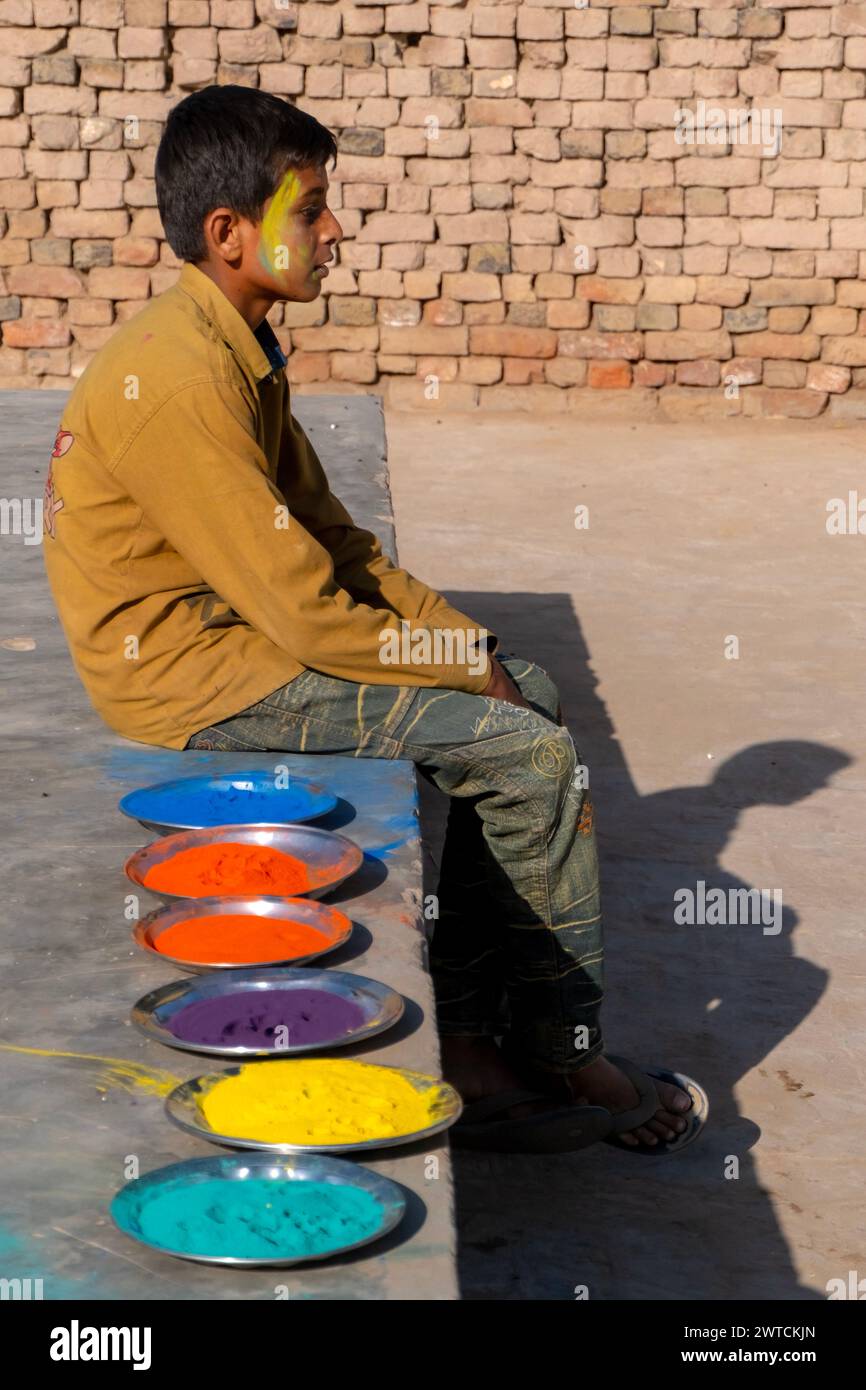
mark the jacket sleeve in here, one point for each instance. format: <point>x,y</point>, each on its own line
<point>359,563</point>
<point>197,472</point>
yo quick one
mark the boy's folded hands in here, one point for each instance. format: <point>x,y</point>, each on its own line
<point>502,687</point>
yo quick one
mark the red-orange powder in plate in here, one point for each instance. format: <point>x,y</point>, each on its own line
<point>243,870</point>
<point>236,938</point>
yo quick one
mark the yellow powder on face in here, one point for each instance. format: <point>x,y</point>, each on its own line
<point>320,1102</point>
<point>276,220</point>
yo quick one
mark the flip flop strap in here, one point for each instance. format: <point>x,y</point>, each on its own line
<point>488,1106</point>
<point>648,1097</point>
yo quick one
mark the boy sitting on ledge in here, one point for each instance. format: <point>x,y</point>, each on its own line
<point>215,594</point>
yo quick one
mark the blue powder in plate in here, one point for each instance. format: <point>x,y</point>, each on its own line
<point>256,1218</point>
<point>239,798</point>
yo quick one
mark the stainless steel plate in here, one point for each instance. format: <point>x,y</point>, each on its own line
<point>184,1109</point>
<point>330,858</point>
<point>381,1006</point>
<point>232,1168</point>
<point>335,925</point>
<point>161,807</point>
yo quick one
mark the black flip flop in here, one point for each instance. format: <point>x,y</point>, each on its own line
<point>562,1129</point>
<point>648,1104</point>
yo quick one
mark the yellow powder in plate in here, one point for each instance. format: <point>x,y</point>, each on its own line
<point>308,1101</point>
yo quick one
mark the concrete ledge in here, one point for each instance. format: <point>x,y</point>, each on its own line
<point>70,971</point>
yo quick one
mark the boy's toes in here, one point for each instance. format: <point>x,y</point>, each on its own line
<point>675,1123</point>
<point>663,1128</point>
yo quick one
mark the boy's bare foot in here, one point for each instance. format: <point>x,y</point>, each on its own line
<point>602,1083</point>
<point>477,1068</point>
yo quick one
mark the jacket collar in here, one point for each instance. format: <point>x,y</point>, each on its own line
<point>259,351</point>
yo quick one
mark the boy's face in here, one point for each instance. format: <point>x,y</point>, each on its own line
<point>296,235</point>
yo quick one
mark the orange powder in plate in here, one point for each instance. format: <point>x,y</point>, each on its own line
<point>215,870</point>
<point>236,938</point>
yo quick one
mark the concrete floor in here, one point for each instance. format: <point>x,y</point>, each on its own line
<point>738,772</point>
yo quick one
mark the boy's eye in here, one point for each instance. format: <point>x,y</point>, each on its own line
<point>311,214</point>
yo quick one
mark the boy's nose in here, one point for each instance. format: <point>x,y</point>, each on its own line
<point>335,233</point>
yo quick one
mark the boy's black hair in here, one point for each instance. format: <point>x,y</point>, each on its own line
<point>229,146</point>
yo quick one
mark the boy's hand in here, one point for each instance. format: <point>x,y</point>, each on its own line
<point>502,687</point>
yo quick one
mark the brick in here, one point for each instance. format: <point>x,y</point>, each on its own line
<point>96,313</point>
<point>21,42</point>
<point>793,291</point>
<point>849,232</point>
<point>659,231</point>
<point>793,319</point>
<point>614,318</point>
<point>652,374</point>
<point>746,371</point>
<point>30,333</point>
<point>601,115</point>
<point>788,232</point>
<point>513,341</point>
<point>805,173</point>
<point>599,290</point>
<point>471,227</point>
<point>499,111</point>
<point>814,53</point>
<point>684,346</point>
<point>746,319</point>
<point>258,45</point>
<point>631,54</point>
<point>609,376</point>
<point>661,317</point>
<point>608,230</point>
<point>119,283</point>
<point>54,68</point>
<point>670,289</point>
<point>709,53</point>
<point>841,352</point>
<point>388,227</point>
<point>801,347</point>
<point>782,404</point>
<point>730,172</point>
<point>51,251</point>
<point>821,376</point>
<point>852,293</point>
<point>43,281</point>
<point>602,346</point>
<point>470,286</point>
<point>700,318</point>
<point>86,254</point>
<point>833,320</point>
<point>700,372</point>
<point>424,339</point>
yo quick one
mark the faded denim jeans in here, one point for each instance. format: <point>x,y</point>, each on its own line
<point>517,948</point>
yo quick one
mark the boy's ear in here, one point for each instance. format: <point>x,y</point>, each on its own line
<point>224,233</point>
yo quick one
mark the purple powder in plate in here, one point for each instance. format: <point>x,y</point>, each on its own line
<point>250,1018</point>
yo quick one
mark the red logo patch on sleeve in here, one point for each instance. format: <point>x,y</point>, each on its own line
<point>62,444</point>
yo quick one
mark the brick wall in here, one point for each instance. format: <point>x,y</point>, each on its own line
<point>525,224</point>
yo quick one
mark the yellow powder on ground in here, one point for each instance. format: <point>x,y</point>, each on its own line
<point>321,1102</point>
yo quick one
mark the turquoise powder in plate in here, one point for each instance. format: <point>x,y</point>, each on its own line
<point>257,1210</point>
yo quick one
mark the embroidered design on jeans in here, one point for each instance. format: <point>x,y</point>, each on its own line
<point>551,757</point>
<point>587,815</point>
